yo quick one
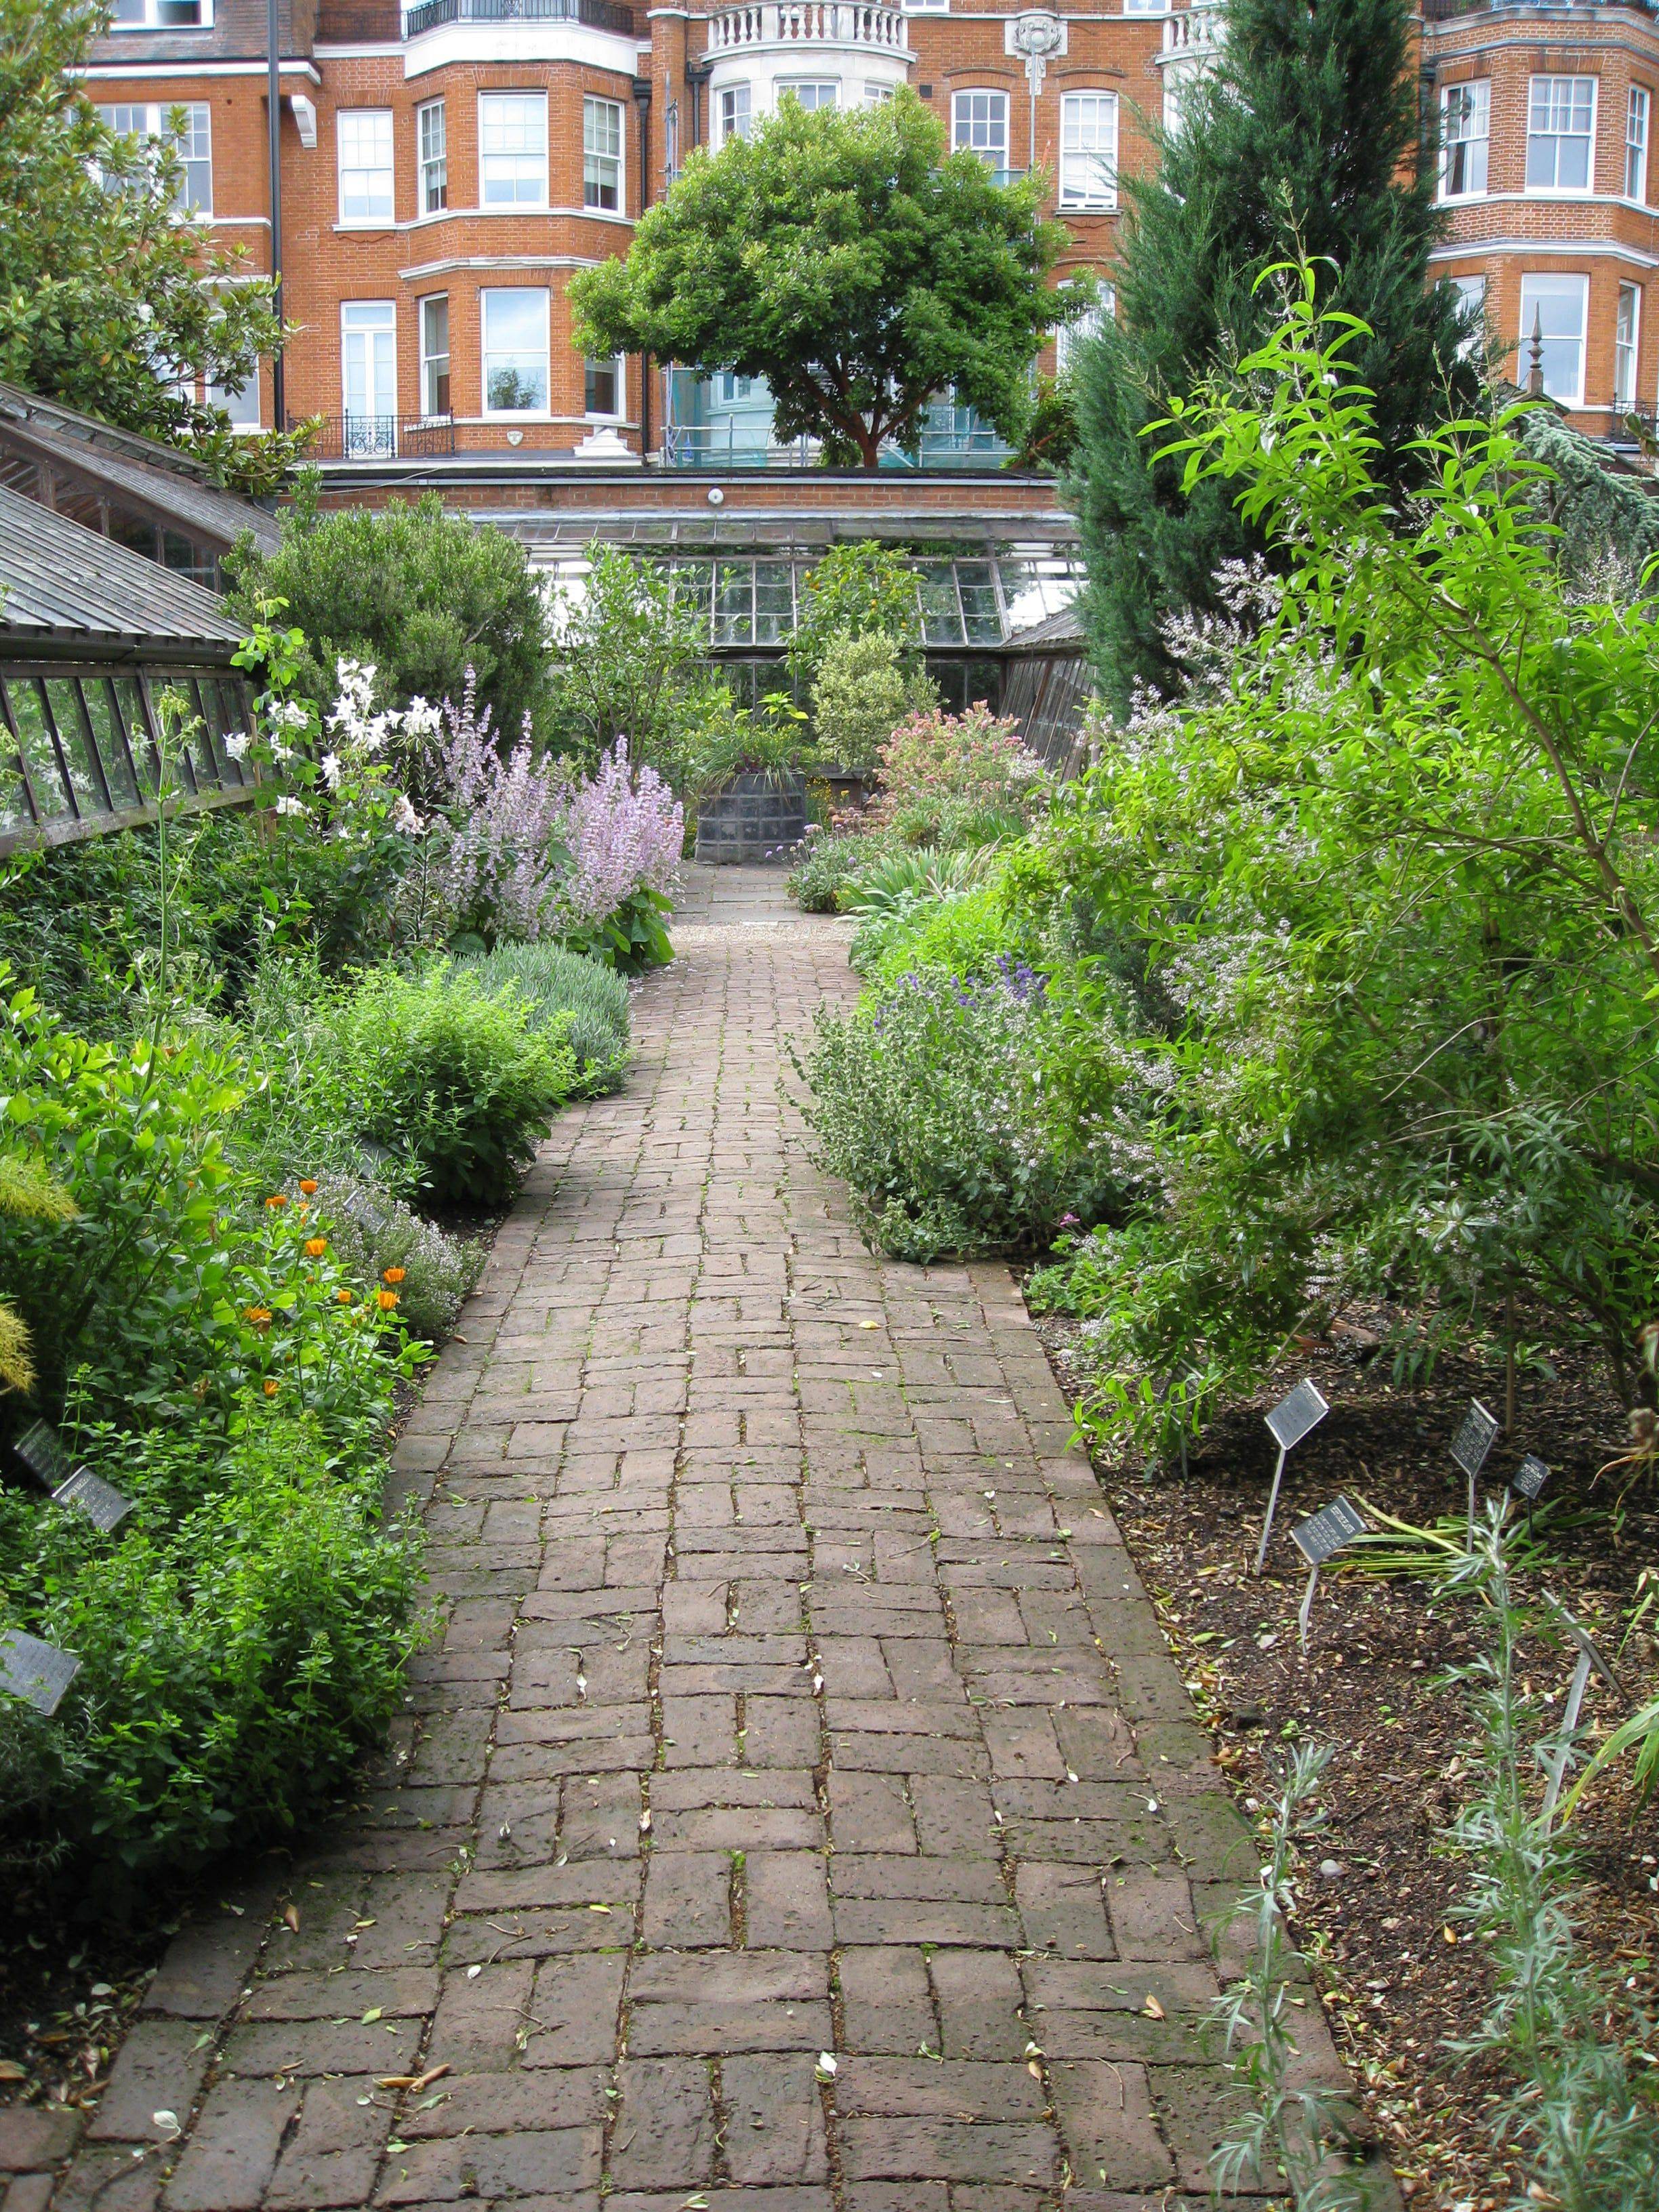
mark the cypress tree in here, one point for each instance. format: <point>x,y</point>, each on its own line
<point>1304,139</point>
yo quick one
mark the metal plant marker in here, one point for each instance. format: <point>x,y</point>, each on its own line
<point>1288,1423</point>
<point>1469,1447</point>
<point>36,1673</point>
<point>104,1506</point>
<point>41,1450</point>
<point>1528,1480</point>
<point>1591,1660</point>
<point>1319,1538</point>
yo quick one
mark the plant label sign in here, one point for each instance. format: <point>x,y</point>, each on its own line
<point>1469,1447</point>
<point>1293,1416</point>
<point>1302,1409</point>
<point>1529,1477</point>
<point>36,1673</point>
<point>1324,1533</point>
<point>1319,1538</point>
<point>41,1450</point>
<point>104,1506</point>
<point>1473,1439</point>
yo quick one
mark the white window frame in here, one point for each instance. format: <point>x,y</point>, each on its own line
<point>354,125</point>
<point>150,17</point>
<point>1081,161</point>
<point>1553,89</point>
<point>516,291</point>
<point>514,164</point>
<point>1626,348</point>
<point>877,95</point>
<point>726,393</point>
<point>432,157</point>
<point>793,87</point>
<point>384,326</point>
<point>736,111</point>
<point>965,124</point>
<point>1535,288</point>
<point>1146,7</point>
<point>604,167</point>
<point>149,120</point>
<point>1470,290</point>
<point>618,366</point>
<point>430,410</point>
<point>1468,102</point>
<point>1070,336</point>
<point>242,406</point>
<point>1639,111</point>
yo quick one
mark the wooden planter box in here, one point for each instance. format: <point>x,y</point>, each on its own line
<point>755,815</point>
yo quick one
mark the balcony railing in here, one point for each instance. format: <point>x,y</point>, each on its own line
<point>1194,34</point>
<point>382,438</point>
<point>805,23</point>
<point>598,15</point>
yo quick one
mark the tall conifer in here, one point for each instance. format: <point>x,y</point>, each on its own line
<point>1304,139</point>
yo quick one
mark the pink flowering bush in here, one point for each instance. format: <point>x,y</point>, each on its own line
<point>534,851</point>
<point>934,760</point>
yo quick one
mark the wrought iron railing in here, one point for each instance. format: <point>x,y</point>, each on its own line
<point>382,438</point>
<point>598,15</point>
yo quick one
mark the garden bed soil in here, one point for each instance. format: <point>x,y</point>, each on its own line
<point>69,1985</point>
<point>1398,1974</point>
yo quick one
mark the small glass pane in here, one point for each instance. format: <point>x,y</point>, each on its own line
<point>72,747</point>
<point>178,714</point>
<point>14,812</point>
<point>107,734</point>
<point>28,714</point>
<point>734,609</point>
<point>941,618</point>
<point>774,601</point>
<point>130,705</point>
<point>982,618</point>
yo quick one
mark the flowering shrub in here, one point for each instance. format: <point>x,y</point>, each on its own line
<point>934,761</point>
<point>930,1102</point>
<point>533,851</point>
<point>504,854</point>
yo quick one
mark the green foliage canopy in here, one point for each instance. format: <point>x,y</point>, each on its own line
<point>844,257</point>
<point>108,299</point>
<point>1301,141</point>
<point>420,595</point>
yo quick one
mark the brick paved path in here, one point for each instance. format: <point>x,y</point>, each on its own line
<point>797,1696</point>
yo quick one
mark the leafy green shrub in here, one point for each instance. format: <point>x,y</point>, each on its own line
<point>370,1230</point>
<point>930,1102</point>
<point>177,1290</point>
<point>241,1643</point>
<point>553,980</point>
<point>963,933</point>
<point>937,767</point>
<point>865,589</point>
<point>828,863</point>
<point>420,595</point>
<point>463,1081</point>
<point>864,688</point>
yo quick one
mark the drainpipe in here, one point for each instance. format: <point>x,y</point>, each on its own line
<point>642,108</point>
<point>697,74</point>
<point>274,103</point>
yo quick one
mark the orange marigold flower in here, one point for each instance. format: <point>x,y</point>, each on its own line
<point>277,1200</point>
<point>308,1184</point>
<point>385,1300</point>
<point>257,1315</point>
<point>315,1247</point>
<point>343,1298</point>
<point>270,1386</point>
<point>393,1275</point>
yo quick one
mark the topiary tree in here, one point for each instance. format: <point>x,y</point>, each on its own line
<point>850,260</point>
<point>1303,141</point>
<point>864,690</point>
<point>422,595</point>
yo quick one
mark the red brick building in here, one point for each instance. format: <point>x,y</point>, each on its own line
<point>447,165</point>
<point>1546,115</point>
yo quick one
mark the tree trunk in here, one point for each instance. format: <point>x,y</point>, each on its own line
<point>869,445</point>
